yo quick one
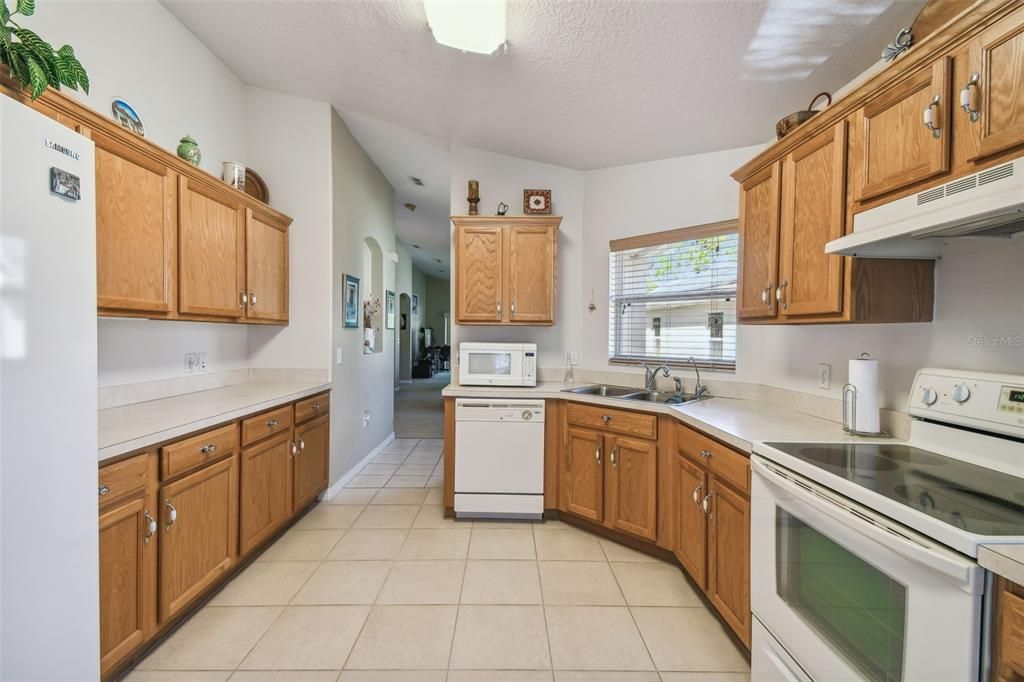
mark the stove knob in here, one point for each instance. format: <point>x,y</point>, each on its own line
<point>961,393</point>
<point>929,396</point>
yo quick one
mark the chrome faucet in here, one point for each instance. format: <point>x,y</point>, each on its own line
<point>699,389</point>
<point>651,374</point>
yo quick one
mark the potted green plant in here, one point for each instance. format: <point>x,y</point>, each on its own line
<point>31,60</point>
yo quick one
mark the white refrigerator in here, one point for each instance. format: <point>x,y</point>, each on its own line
<point>49,584</point>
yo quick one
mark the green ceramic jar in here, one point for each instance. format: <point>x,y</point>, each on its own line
<point>188,149</point>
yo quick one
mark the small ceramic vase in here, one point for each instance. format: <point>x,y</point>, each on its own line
<point>188,149</point>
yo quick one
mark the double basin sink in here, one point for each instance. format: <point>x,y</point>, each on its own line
<point>638,394</point>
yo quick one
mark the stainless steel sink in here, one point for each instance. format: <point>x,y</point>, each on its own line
<point>603,390</point>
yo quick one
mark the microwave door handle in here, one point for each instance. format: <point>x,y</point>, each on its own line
<point>875,529</point>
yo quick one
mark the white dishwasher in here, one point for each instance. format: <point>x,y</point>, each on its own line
<point>499,458</point>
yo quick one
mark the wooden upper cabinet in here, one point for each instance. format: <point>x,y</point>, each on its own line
<point>994,88</point>
<point>813,214</point>
<point>759,244</point>
<point>631,492</point>
<point>505,269</point>
<point>199,533</point>
<point>583,474</point>
<point>265,490</point>
<point>211,237</point>
<point>136,229</point>
<point>728,579</point>
<point>266,267</point>
<point>311,462</point>
<point>531,274</point>
<point>897,148</point>
<point>479,258</point>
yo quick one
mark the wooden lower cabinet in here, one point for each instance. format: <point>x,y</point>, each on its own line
<point>631,489</point>
<point>1008,632</point>
<point>311,462</point>
<point>199,542</point>
<point>690,541</point>
<point>583,474</point>
<point>128,546</point>
<point>265,490</point>
<point>728,576</point>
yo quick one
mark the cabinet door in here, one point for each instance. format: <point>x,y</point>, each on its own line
<point>759,244</point>
<point>478,282</point>
<point>265,490</point>
<point>311,462</point>
<point>266,268</point>
<point>211,262</point>
<point>997,94</point>
<point>136,229</point>
<point>813,214</point>
<point>199,542</point>
<point>532,253</point>
<point>127,580</point>
<point>897,148</point>
<point>583,480</point>
<point>631,492</point>
<point>691,541</point>
<point>729,556</point>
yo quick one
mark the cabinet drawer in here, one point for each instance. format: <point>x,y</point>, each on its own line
<point>723,462</point>
<point>266,424</point>
<point>615,421</point>
<point>122,479</point>
<point>198,450</point>
<point>314,406</point>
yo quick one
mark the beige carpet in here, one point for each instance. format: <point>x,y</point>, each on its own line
<point>419,410</point>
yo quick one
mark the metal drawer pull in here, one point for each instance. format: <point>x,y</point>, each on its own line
<point>208,449</point>
<point>929,117</point>
<point>705,453</point>
<point>498,304</point>
<point>172,514</point>
<point>252,299</point>
<point>242,299</point>
<point>705,504</point>
<point>605,418</point>
<point>513,307</point>
<point>780,293</point>
<point>316,406</point>
<point>302,444</point>
<point>696,493</point>
<point>766,293</point>
<point>150,527</point>
<point>104,490</point>
<point>271,423</point>
<point>597,453</point>
<point>965,97</point>
<point>294,448</point>
<point>615,449</point>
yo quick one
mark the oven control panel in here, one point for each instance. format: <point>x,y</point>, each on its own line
<point>988,401</point>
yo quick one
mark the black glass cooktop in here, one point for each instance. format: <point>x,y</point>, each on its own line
<point>979,500</point>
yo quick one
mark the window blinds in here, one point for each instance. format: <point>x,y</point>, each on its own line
<point>675,300</point>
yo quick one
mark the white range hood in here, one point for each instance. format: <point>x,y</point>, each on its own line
<point>985,204</point>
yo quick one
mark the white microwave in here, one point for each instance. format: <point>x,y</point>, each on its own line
<point>498,364</point>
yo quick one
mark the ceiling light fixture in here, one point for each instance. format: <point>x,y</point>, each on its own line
<point>416,181</point>
<point>467,25</point>
<point>411,207</point>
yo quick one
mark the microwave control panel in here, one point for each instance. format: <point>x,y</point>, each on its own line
<point>529,364</point>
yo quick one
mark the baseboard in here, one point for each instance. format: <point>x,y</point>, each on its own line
<point>354,471</point>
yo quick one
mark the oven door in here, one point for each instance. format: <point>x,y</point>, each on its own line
<point>853,596</point>
<point>491,367</point>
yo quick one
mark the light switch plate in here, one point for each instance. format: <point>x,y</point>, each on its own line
<point>337,355</point>
<point>824,376</point>
<point>191,362</point>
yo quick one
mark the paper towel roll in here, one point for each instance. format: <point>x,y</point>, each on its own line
<point>864,378</point>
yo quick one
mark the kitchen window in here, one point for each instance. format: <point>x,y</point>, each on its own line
<point>672,296</point>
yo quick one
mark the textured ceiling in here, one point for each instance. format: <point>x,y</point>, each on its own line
<point>583,84</point>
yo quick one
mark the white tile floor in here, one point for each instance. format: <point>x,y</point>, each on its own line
<point>377,586</point>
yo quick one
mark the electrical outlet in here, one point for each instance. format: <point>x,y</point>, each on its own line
<point>203,363</point>
<point>366,418</point>
<point>191,362</point>
<point>337,355</point>
<point>572,358</point>
<point>824,376</point>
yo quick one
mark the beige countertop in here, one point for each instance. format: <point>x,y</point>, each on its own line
<point>134,427</point>
<point>739,423</point>
<point>1004,560</point>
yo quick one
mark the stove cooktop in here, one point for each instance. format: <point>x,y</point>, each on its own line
<point>975,499</point>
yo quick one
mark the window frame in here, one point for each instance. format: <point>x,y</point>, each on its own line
<point>657,239</point>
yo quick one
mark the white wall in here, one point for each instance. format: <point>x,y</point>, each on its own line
<point>138,51</point>
<point>289,141</point>
<point>503,178</point>
<point>363,206</point>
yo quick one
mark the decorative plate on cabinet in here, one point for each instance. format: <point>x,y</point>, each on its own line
<point>255,187</point>
<point>537,201</point>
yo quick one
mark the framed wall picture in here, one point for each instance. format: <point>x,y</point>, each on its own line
<point>389,310</point>
<point>415,305</point>
<point>351,301</point>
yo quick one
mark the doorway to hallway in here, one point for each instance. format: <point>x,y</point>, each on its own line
<point>419,408</point>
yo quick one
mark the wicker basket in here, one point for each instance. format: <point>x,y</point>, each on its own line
<point>789,123</point>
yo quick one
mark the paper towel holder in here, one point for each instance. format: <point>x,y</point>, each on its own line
<point>851,391</point>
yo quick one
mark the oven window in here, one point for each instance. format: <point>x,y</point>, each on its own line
<point>485,364</point>
<point>854,606</point>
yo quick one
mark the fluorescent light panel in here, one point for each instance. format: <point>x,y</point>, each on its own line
<point>467,25</point>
